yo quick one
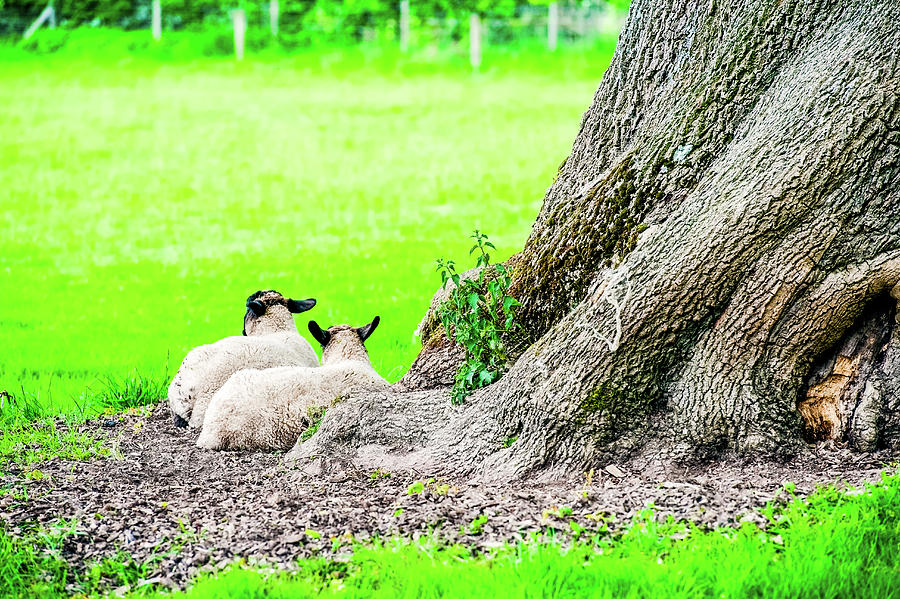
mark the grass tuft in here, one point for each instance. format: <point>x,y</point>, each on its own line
<point>132,390</point>
<point>315,416</point>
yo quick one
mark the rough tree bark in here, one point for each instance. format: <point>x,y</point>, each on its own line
<point>716,267</point>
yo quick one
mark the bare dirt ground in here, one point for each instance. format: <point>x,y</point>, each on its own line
<point>159,490</point>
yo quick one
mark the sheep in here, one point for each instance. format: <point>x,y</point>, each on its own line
<point>270,409</point>
<point>270,338</point>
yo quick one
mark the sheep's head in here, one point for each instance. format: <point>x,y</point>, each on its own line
<point>342,341</point>
<point>270,312</point>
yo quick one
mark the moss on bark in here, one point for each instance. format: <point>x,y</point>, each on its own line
<point>584,234</point>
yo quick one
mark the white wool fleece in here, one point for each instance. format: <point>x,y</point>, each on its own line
<point>270,409</point>
<point>271,340</point>
<point>206,368</point>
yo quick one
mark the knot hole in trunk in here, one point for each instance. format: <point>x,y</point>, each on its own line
<point>853,390</point>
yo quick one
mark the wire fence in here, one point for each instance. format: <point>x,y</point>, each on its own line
<point>294,23</point>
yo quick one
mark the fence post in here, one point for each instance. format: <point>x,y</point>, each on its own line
<point>552,25</point>
<point>475,41</point>
<point>156,21</point>
<point>404,25</point>
<point>47,14</point>
<point>273,17</point>
<point>239,19</point>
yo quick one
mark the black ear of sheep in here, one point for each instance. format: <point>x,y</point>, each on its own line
<point>257,307</point>
<point>323,337</point>
<point>366,331</point>
<point>298,306</point>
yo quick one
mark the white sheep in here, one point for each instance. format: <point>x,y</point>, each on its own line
<point>270,409</point>
<point>270,338</point>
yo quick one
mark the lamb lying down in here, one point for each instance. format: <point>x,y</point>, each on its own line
<point>269,409</point>
<point>270,339</point>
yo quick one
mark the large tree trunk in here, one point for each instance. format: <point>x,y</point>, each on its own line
<point>717,266</point>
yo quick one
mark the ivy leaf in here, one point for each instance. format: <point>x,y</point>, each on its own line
<point>473,301</point>
<point>486,377</point>
<point>509,302</point>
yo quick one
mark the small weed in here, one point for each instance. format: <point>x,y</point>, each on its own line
<point>509,441</point>
<point>341,540</point>
<point>34,474</point>
<point>378,474</point>
<point>434,487</point>
<point>440,488</point>
<point>477,315</point>
<point>476,527</point>
<point>315,415</point>
<point>556,512</point>
<point>577,529</point>
<point>187,534</point>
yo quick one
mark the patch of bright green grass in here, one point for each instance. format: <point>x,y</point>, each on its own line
<point>33,566</point>
<point>145,196</point>
<point>32,442</point>
<point>834,544</point>
<point>29,437</point>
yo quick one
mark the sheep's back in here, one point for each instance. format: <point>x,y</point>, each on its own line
<point>182,389</point>
<point>270,408</point>
<point>233,354</point>
<point>258,409</point>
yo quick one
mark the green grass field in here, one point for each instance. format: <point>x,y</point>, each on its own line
<point>145,196</point>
